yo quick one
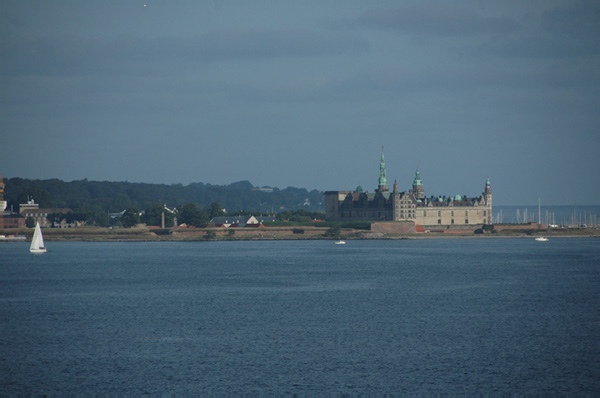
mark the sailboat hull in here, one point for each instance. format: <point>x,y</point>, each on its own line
<point>40,250</point>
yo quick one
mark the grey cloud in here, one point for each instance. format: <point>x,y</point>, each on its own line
<point>438,20</point>
<point>581,19</point>
<point>549,47</point>
<point>73,54</point>
<point>565,32</point>
<point>464,81</point>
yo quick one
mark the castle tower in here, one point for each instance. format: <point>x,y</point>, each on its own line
<point>417,187</point>
<point>382,187</point>
<point>487,193</point>
<point>396,206</point>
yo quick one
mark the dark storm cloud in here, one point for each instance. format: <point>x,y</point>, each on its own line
<point>439,20</point>
<point>80,55</point>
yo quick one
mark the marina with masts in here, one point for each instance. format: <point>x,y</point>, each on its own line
<point>554,216</point>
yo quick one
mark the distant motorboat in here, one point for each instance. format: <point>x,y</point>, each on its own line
<point>340,242</point>
<point>541,239</point>
<point>37,242</point>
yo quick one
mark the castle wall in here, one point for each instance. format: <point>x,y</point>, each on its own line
<point>400,227</point>
<point>510,227</point>
<point>332,203</point>
<point>460,215</point>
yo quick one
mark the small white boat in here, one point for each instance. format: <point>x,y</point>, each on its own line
<point>541,239</point>
<point>340,242</point>
<point>37,242</point>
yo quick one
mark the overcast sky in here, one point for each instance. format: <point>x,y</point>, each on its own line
<point>305,93</point>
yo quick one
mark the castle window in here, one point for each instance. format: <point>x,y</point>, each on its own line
<point>466,220</point>
<point>452,214</point>
<point>439,213</point>
<point>439,221</point>
<point>453,221</point>
<point>466,213</point>
<point>424,213</point>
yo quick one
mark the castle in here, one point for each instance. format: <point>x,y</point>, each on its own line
<point>383,205</point>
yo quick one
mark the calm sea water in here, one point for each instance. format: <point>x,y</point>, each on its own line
<point>435,315</point>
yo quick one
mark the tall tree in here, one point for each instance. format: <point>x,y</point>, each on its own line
<point>190,214</point>
<point>153,214</point>
<point>215,210</point>
<point>131,217</point>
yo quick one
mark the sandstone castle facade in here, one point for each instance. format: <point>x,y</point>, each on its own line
<point>383,205</point>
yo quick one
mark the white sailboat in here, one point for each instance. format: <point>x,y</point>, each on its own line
<point>37,242</point>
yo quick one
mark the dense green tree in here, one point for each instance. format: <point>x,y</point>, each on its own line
<point>71,217</point>
<point>30,222</point>
<point>101,219</point>
<point>215,210</point>
<point>131,217</point>
<point>53,218</point>
<point>153,215</point>
<point>191,214</point>
<point>121,201</point>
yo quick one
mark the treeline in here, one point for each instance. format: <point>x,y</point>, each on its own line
<point>92,201</point>
<point>189,214</point>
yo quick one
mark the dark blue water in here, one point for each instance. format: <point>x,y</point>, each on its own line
<point>431,316</point>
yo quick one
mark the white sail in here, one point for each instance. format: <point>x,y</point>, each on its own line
<point>37,242</point>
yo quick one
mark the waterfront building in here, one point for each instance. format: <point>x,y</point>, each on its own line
<point>8,219</point>
<point>40,215</point>
<point>383,205</point>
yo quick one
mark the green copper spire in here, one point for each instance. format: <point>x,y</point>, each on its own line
<point>417,180</point>
<point>382,177</point>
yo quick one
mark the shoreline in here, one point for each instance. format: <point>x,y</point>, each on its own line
<point>144,234</point>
